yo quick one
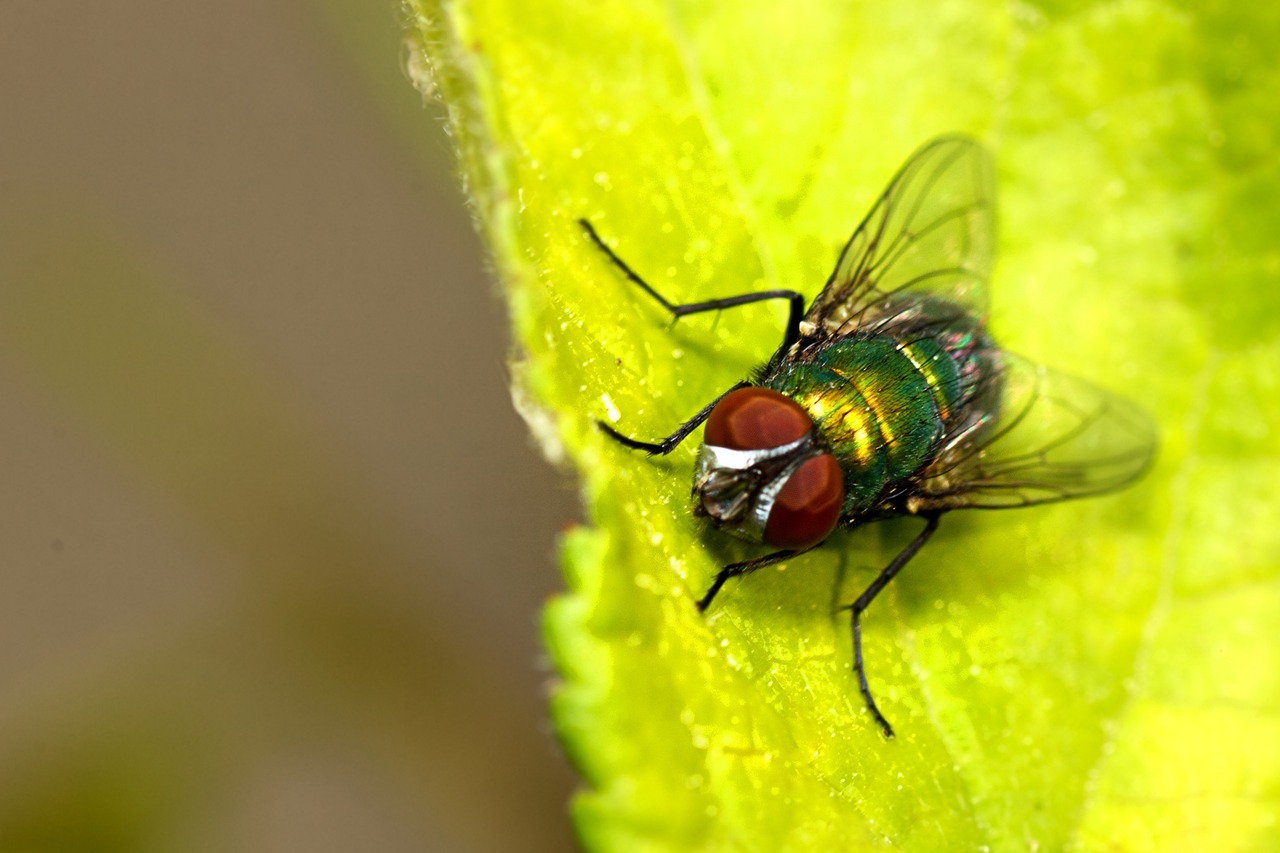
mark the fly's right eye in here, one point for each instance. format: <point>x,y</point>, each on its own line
<point>756,419</point>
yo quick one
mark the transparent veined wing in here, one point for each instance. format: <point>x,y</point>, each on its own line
<point>1032,435</point>
<point>932,233</point>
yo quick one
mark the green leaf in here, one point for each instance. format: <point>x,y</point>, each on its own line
<point>1097,674</point>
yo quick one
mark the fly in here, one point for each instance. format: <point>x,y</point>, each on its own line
<point>888,397</point>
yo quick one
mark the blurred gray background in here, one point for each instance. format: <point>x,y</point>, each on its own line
<point>274,540</point>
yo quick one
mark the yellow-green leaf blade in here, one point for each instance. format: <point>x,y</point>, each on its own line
<point>1051,672</point>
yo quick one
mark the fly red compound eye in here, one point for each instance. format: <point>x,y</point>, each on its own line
<point>807,508</point>
<point>756,419</point>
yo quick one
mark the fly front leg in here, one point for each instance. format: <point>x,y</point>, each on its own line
<point>668,444</point>
<point>864,600</point>
<point>746,567</point>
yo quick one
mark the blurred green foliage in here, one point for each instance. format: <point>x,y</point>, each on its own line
<point>226,622</point>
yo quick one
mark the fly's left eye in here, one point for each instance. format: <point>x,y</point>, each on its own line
<point>756,419</point>
<point>807,508</point>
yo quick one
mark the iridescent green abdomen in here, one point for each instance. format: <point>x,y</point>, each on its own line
<point>882,403</point>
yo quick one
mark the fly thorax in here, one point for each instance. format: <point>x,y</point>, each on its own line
<point>737,489</point>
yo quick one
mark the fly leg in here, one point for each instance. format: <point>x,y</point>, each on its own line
<point>734,570</point>
<point>668,444</point>
<point>864,600</point>
<point>791,335</point>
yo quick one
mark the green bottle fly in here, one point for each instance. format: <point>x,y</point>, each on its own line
<point>888,396</point>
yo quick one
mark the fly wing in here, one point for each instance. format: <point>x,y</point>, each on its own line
<point>930,234</point>
<point>1033,435</point>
